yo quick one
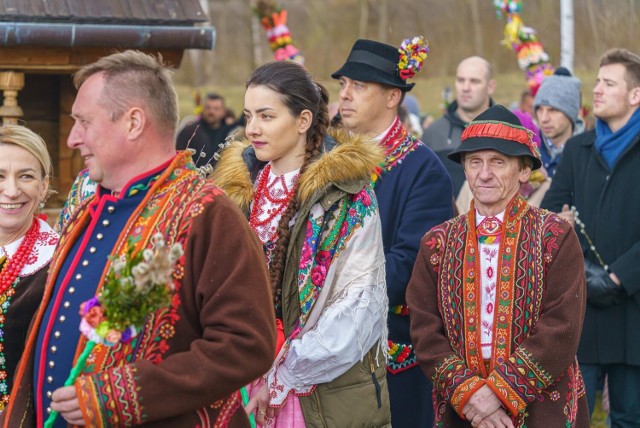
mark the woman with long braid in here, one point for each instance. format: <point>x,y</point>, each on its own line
<point>308,198</point>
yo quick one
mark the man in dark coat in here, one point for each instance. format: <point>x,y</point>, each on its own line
<point>599,175</point>
<point>414,194</point>
<point>474,87</point>
<point>208,133</point>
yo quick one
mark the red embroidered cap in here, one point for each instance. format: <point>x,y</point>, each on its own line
<point>497,129</point>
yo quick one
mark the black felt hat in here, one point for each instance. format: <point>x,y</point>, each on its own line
<point>371,61</point>
<point>497,129</point>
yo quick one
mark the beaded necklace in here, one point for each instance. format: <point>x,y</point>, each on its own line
<point>15,264</point>
<point>9,278</point>
<point>263,198</point>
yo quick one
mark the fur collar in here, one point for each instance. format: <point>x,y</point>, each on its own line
<point>353,159</point>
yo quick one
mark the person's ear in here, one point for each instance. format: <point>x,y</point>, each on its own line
<point>305,119</point>
<point>524,174</point>
<point>634,96</point>
<point>135,121</point>
<point>394,95</point>
<point>45,189</point>
<point>491,86</point>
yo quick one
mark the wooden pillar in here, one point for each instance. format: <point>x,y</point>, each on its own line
<point>69,160</point>
<point>10,83</point>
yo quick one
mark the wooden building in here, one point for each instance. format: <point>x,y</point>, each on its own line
<point>43,42</point>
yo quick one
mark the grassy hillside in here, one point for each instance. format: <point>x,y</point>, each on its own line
<point>428,90</point>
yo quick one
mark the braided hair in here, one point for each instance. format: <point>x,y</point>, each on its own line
<point>298,91</point>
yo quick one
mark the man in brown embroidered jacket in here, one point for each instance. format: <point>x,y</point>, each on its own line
<point>497,295</point>
<point>188,362</point>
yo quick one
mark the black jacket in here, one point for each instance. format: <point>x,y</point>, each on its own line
<point>608,202</point>
<point>205,140</point>
<point>443,136</point>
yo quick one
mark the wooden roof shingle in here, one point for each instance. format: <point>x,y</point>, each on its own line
<point>121,12</point>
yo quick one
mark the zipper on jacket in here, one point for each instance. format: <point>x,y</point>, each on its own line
<point>317,397</point>
<point>375,381</point>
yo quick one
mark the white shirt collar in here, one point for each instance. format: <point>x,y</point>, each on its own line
<point>42,249</point>
<point>480,217</point>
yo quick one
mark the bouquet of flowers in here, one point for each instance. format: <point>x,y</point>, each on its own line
<point>136,285</point>
<point>413,52</point>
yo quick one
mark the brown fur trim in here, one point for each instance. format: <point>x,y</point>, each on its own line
<point>231,174</point>
<point>354,158</point>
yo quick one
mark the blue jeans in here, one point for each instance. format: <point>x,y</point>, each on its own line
<point>624,391</point>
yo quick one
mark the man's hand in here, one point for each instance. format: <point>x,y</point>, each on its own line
<point>482,403</point>
<point>66,403</point>
<point>602,290</point>
<point>567,214</point>
<point>498,419</point>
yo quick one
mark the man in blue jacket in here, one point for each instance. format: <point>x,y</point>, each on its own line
<point>414,194</point>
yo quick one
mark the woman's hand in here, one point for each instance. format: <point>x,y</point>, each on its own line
<point>260,403</point>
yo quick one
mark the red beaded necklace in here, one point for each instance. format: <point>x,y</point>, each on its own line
<point>262,190</point>
<point>14,265</point>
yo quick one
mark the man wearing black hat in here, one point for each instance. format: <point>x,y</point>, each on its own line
<point>414,193</point>
<point>497,294</point>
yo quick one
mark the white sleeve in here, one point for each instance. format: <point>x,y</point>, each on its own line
<point>345,332</point>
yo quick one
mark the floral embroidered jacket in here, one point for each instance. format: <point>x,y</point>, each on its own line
<point>187,364</point>
<point>540,303</point>
<point>81,189</point>
<point>334,300</point>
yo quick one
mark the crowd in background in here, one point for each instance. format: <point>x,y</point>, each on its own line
<point>345,263</point>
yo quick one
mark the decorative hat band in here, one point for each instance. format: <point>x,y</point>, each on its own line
<point>376,61</point>
<point>501,130</point>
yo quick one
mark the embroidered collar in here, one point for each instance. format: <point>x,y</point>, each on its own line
<point>41,253</point>
<point>140,183</point>
<point>480,218</point>
<point>397,143</point>
<point>381,136</point>
<point>489,228</point>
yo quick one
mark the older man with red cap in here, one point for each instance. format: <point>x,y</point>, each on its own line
<point>497,295</point>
